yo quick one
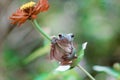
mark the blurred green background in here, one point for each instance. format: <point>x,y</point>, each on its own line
<point>24,53</point>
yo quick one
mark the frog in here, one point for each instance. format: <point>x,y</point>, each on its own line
<point>62,48</point>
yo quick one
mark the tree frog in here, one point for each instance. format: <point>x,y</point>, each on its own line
<point>62,48</point>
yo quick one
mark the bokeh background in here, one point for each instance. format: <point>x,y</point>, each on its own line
<point>24,53</point>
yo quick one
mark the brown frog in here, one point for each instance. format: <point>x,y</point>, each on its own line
<point>62,48</point>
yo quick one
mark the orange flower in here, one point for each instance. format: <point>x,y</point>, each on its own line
<point>29,11</point>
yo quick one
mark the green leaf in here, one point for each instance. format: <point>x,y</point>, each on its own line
<point>10,57</point>
<point>80,55</point>
<point>107,70</point>
<point>56,75</point>
<point>37,53</point>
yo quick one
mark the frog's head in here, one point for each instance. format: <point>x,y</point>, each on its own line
<point>67,37</point>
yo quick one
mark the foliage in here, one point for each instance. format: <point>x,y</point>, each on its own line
<point>24,56</point>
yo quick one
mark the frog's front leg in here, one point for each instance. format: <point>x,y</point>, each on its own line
<point>71,55</point>
<point>54,40</point>
<point>52,50</point>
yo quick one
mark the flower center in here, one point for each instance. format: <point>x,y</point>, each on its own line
<point>27,5</point>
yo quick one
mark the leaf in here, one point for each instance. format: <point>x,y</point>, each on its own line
<point>37,53</point>
<point>10,57</point>
<point>63,68</point>
<point>108,70</point>
<point>80,55</point>
<point>56,75</point>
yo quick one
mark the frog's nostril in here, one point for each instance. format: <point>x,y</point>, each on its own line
<point>72,35</point>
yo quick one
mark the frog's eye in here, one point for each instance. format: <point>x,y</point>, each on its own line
<point>60,35</point>
<point>72,36</point>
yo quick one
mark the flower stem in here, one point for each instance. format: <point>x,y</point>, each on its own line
<point>88,74</point>
<point>37,26</point>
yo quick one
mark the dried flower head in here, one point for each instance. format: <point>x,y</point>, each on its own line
<point>29,11</point>
<point>62,49</point>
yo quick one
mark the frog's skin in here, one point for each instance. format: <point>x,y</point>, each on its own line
<point>62,48</point>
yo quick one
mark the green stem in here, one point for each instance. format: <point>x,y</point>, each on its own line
<point>40,51</point>
<point>88,74</point>
<point>37,26</point>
